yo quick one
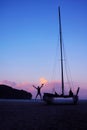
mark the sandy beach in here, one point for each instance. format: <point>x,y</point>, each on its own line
<point>33,115</point>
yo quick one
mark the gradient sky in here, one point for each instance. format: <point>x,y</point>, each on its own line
<point>29,34</point>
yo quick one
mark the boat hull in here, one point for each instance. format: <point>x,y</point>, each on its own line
<point>49,98</point>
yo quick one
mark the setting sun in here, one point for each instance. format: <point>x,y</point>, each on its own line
<point>43,81</point>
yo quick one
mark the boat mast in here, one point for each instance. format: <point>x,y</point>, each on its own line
<point>61,52</point>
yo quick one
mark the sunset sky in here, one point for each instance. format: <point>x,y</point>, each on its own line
<point>29,39</point>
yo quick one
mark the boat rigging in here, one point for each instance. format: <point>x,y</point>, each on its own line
<point>48,97</point>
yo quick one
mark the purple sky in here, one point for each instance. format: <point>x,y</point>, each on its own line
<point>29,39</point>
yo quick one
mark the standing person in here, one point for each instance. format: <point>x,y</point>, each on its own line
<point>70,92</point>
<point>38,90</point>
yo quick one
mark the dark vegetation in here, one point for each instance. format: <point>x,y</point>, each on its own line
<point>7,92</point>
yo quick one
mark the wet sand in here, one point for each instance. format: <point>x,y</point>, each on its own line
<point>31,115</point>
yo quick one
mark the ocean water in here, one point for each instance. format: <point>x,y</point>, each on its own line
<point>56,100</point>
<point>21,100</point>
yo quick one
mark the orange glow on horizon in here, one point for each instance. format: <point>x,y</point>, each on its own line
<point>43,81</point>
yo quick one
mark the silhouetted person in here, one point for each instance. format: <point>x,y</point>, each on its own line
<point>55,92</point>
<point>38,90</point>
<point>70,93</point>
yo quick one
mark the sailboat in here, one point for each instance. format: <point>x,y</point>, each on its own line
<point>49,97</point>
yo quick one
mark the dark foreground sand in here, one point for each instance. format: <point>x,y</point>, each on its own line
<point>20,115</point>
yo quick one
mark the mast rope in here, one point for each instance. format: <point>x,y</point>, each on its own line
<point>67,69</point>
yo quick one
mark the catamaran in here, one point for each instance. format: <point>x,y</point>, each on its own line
<point>49,97</point>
